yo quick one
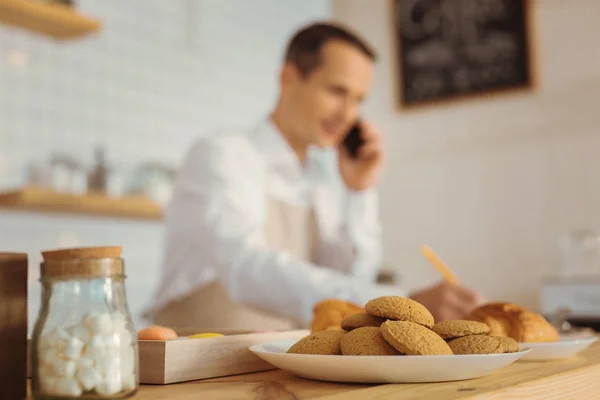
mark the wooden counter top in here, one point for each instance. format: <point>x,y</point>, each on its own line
<point>574,378</point>
<point>577,377</point>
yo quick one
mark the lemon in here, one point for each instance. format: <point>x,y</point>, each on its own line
<point>205,335</point>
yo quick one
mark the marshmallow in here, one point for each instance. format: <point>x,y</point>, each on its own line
<point>112,342</point>
<point>55,339</point>
<point>48,383</point>
<point>94,355</point>
<point>109,387</point>
<point>67,387</point>
<point>49,356</point>
<point>127,361</point>
<point>73,348</point>
<point>84,362</point>
<point>89,378</point>
<point>95,347</point>
<point>88,319</point>
<point>128,382</point>
<point>45,370</point>
<point>98,323</point>
<point>126,338</point>
<point>121,327</point>
<point>108,366</point>
<point>47,341</point>
<point>80,332</point>
<point>64,368</point>
<point>119,322</point>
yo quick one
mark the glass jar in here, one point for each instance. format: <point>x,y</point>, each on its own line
<point>84,344</point>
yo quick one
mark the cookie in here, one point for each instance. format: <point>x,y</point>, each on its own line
<point>458,328</point>
<point>414,339</point>
<point>509,345</point>
<point>361,320</point>
<point>322,342</point>
<point>400,309</point>
<point>366,341</point>
<point>476,344</point>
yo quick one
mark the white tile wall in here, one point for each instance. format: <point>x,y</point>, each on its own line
<point>159,74</point>
<point>492,182</point>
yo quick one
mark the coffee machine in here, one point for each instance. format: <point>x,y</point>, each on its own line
<point>573,291</point>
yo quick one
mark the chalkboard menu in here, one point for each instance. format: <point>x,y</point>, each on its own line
<point>456,48</point>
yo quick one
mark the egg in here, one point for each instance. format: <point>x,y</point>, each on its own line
<point>157,332</point>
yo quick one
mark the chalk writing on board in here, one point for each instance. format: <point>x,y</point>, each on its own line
<point>451,48</point>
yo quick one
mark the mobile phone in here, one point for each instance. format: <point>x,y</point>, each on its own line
<point>353,140</point>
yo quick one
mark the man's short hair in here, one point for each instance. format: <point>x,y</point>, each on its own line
<point>304,48</point>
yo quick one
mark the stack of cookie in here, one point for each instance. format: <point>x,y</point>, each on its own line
<point>472,337</point>
<point>393,325</point>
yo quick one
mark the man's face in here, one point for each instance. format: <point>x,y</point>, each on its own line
<point>325,103</point>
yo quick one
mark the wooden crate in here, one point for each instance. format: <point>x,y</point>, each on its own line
<point>185,359</point>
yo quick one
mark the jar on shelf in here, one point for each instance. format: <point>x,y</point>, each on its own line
<point>84,343</point>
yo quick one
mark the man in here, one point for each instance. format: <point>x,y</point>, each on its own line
<point>264,224</point>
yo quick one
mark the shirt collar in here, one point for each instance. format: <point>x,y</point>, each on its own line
<point>276,151</point>
<point>273,146</point>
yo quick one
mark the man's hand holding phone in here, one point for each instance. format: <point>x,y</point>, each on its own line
<point>363,171</point>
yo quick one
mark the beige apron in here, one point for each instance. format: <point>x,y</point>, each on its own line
<point>288,228</point>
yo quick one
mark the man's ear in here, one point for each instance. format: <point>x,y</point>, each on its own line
<point>288,75</point>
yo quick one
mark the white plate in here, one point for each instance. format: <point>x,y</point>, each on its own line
<point>568,346</point>
<point>383,369</point>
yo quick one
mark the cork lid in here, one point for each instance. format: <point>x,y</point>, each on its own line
<point>82,263</point>
<point>10,257</point>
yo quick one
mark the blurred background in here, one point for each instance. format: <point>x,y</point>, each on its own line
<point>94,126</point>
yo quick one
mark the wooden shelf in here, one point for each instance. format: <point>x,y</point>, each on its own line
<point>55,20</point>
<point>45,200</point>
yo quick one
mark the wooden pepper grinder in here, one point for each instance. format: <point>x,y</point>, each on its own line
<point>13,326</point>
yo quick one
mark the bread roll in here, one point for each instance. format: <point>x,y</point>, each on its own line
<point>514,321</point>
<point>329,314</point>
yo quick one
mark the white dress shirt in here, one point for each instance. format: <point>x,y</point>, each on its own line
<point>215,226</point>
